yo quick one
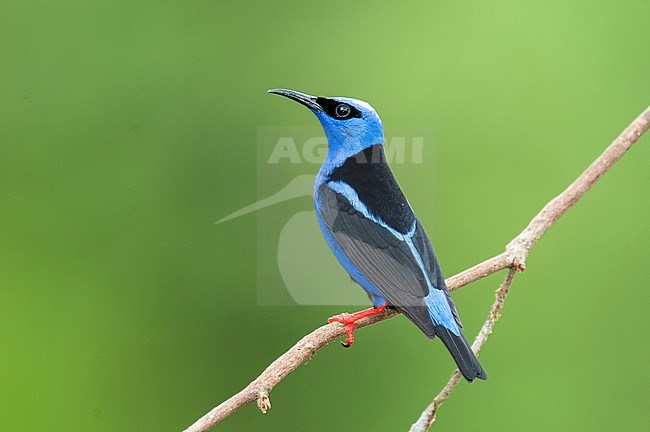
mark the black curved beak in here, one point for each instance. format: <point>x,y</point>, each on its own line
<point>302,98</point>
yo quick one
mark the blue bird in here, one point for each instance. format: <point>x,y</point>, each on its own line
<point>372,230</point>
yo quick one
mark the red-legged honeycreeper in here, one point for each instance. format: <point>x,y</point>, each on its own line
<point>372,230</point>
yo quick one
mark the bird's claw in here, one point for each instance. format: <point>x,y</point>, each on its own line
<point>348,320</point>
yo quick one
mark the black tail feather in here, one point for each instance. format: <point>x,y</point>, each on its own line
<point>462,353</point>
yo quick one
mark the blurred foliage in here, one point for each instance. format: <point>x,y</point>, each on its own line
<point>128,128</point>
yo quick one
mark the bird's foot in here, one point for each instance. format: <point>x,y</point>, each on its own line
<point>348,320</point>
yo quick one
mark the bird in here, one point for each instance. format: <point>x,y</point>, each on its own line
<point>372,230</point>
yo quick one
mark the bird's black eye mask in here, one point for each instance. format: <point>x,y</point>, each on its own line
<point>338,110</point>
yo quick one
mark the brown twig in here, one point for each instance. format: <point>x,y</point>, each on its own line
<point>428,416</point>
<point>518,249</point>
<point>513,258</point>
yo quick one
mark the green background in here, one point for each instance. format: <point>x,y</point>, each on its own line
<point>127,128</point>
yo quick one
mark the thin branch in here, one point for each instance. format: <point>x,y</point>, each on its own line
<point>521,245</point>
<point>428,416</point>
<point>514,258</point>
<point>561,203</point>
<point>479,271</point>
<point>259,389</point>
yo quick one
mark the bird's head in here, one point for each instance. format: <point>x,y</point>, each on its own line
<point>350,125</point>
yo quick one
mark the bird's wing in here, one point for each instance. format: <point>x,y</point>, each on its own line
<point>430,262</point>
<point>394,263</point>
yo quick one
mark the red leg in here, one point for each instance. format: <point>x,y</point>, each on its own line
<point>348,320</point>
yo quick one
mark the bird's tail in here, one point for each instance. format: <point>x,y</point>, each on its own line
<point>462,353</point>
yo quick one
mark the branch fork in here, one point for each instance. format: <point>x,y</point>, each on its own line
<point>517,251</point>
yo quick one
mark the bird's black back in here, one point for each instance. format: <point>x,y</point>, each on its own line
<point>369,175</point>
